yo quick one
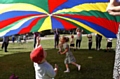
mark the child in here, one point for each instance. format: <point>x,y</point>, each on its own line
<point>89,36</point>
<point>109,44</point>
<point>72,42</point>
<point>69,56</point>
<point>43,70</point>
<point>79,37</point>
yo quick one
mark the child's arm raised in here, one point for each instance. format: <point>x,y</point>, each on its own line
<point>38,41</point>
<point>82,31</point>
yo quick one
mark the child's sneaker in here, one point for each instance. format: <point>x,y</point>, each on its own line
<point>66,71</point>
<point>79,67</point>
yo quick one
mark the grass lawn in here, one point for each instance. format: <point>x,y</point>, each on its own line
<point>17,61</point>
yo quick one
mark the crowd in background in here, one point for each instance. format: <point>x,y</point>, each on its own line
<point>75,40</point>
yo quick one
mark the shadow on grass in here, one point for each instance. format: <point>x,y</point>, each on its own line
<point>16,48</point>
<point>100,66</point>
<point>18,63</point>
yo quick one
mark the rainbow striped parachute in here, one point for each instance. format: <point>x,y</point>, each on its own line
<point>23,16</point>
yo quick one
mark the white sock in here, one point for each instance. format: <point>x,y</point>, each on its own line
<point>77,65</point>
<point>67,69</point>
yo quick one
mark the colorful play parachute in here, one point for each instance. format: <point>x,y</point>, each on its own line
<point>23,16</point>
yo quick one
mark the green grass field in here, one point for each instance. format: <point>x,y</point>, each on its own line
<point>17,61</point>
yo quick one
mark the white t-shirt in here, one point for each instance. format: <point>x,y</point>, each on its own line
<point>79,36</point>
<point>109,39</point>
<point>44,71</point>
<point>72,41</point>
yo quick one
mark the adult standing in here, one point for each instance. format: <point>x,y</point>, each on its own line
<point>19,39</point>
<point>25,38</point>
<point>36,34</point>
<point>5,43</point>
<point>98,41</point>
<point>13,38</point>
<point>78,37</point>
<point>56,38</point>
<point>114,9</point>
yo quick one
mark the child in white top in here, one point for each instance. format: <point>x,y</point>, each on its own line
<point>78,37</point>
<point>43,70</point>
<point>89,36</point>
<point>109,44</point>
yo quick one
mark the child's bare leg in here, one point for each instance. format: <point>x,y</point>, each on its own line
<point>74,64</point>
<point>66,65</point>
<point>67,68</point>
<point>77,65</point>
